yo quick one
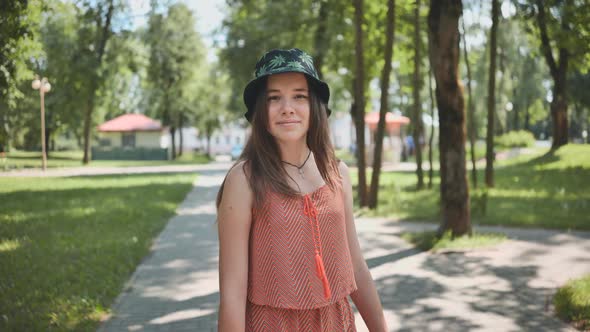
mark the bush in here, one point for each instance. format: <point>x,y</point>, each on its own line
<point>515,139</point>
<point>572,302</point>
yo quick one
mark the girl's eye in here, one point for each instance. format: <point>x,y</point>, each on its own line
<point>300,97</point>
<point>273,98</point>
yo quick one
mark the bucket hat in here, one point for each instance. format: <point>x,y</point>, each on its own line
<point>283,61</point>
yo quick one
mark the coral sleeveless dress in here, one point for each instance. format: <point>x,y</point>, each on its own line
<point>300,269</point>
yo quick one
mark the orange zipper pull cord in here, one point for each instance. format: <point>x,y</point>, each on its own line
<point>310,210</point>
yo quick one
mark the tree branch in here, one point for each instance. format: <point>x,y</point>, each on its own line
<point>105,31</point>
<point>545,46</point>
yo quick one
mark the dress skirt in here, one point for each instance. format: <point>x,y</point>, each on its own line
<point>335,317</point>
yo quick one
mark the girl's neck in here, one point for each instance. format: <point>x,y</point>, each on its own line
<point>295,153</point>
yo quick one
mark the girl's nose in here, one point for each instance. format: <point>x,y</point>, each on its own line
<point>287,107</point>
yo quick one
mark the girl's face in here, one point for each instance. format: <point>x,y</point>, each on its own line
<point>288,106</point>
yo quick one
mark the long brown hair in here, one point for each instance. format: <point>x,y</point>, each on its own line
<point>263,165</point>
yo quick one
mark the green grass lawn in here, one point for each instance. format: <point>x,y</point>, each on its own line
<point>68,245</point>
<point>572,302</point>
<point>536,190</point>
<point>25,159</point>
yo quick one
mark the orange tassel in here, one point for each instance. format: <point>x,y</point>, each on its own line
<point>319,263</point>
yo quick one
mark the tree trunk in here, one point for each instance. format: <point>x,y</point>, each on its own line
<point>180,138</point>
<point>491,97</point>
<point>209,134</point>
<point>443,26</point>
<point>559,111</point>
<point>385,76</point>
<point>418,131</point>
<point>87,124</point>
<point>431,139</point>
<point>470,109</point>
<point>501,126</point>
<point>558,72</point>
<point>173,141</point>
<point>527,117</point>
<point>47,137</point>
<point>515,109</point>
<point>320,41</point>
<point>93,85</point>
<point>359,101</point>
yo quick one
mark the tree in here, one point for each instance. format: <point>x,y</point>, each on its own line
<point>59,35</point>
<point>18,45</point>
<point>561,28</point>
<point>359,102</point>
<point>491,97</point>
<point>320,37</point>
<point>443,27</point>
<point>432,102</point>
<point>214,99</point>
<point>384,106</point>
<point>470,108</point>
<point>558,70</point>
<point>418,126</point>
<point>176,52</point>
<point>96,31</point>
<point>13,28</point>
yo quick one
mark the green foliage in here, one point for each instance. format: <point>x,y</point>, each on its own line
<point>254,27</point>
<point>213,97</point>
<point>68,245</point>
<point>430,241</point>
<point>19,24</point>
<point>534,190</point>
<point>176,53</point>
<point>572,302</point>
<point>16,28</point>
<point>567,28</point>
<point>515,139</point>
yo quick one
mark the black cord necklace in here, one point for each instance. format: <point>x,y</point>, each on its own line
<point>299,168</point>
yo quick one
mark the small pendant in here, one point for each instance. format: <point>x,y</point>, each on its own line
<point>301,173</point>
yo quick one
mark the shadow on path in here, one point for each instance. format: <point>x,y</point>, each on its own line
<point>175,288</point>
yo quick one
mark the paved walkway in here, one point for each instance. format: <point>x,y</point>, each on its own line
<point>100,170</point>
<point>506,288</point>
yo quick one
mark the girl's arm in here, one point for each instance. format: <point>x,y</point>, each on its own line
<point>234,217</point>
<point>365,297</point>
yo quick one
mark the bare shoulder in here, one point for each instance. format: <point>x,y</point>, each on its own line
<point>237,174</point>
<point>344,171</point>
<point>237,188</point>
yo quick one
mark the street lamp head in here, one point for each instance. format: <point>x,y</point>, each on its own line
<point>36,84</point>
<point>46,87</point>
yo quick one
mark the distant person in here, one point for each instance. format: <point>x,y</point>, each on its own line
<point>2,153</point>
<point>289,256</point>
<point>410,145</point>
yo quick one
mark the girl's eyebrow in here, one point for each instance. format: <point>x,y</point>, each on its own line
<point>277,90</point>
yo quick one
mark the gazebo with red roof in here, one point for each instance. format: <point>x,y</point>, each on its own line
<point>392,142</point>
<point>131,136</point>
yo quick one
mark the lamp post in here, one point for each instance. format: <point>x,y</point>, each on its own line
<point>43,86</point>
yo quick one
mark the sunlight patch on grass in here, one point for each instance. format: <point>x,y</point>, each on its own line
<point>541,189</point>
<point>428,241</point>
<point>9,245</point>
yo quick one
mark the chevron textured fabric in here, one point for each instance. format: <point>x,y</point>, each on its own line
<point>300,269</point>
<point>336,317</point>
